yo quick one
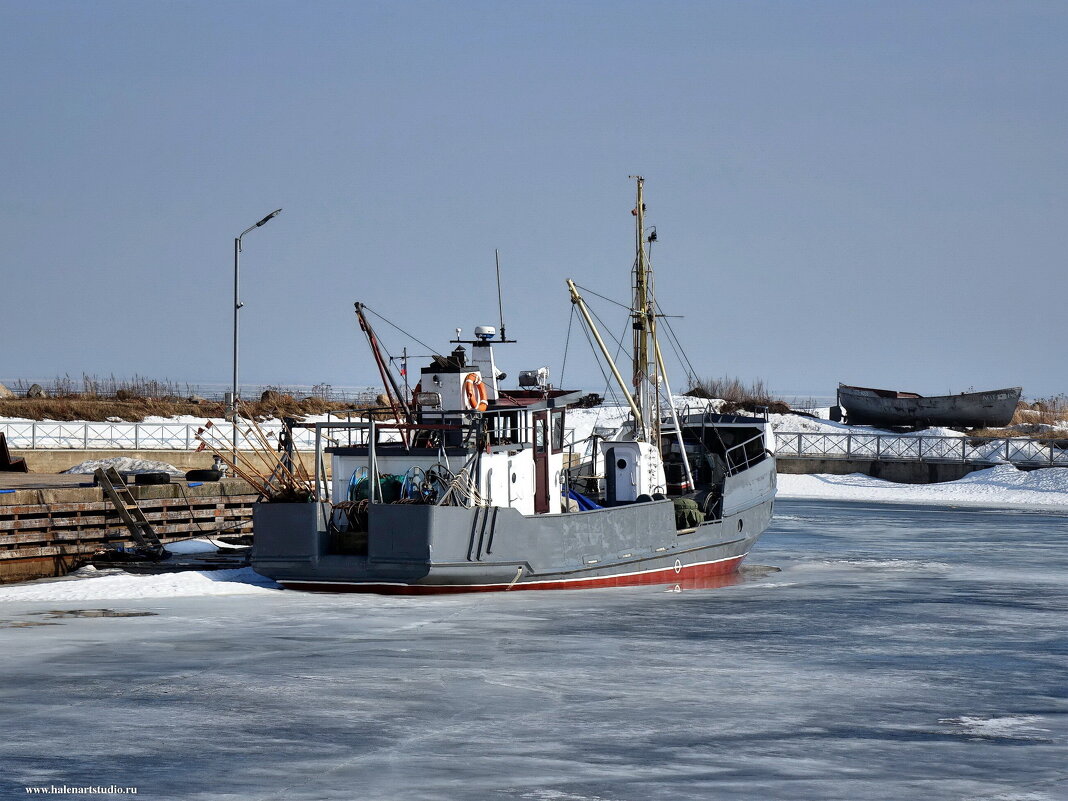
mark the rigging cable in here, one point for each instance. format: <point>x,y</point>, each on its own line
<point>618,342</point>
<point>609,391</point>
<point>387,322</point>
<point>567,342</point>
<point>620,348</point>
<point>679,351</point>
<point>600,367</point>
<point>602,297</point>
<point>679,357</point>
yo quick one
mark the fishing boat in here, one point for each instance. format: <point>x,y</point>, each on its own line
<point>888,407</point>
<point>469,486</point>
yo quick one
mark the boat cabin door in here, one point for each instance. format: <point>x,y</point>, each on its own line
<point>541,462</point>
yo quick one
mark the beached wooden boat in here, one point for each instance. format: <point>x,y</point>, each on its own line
<point>887,407</point>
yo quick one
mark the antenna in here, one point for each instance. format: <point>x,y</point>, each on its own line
<point>500,305</point>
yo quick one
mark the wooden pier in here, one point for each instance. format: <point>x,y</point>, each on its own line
<point>52,524</point>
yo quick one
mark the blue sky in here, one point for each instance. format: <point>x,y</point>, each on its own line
<point>855,191</point>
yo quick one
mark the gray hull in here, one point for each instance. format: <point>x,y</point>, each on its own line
<point>865,406</point>
<point>419,548</point>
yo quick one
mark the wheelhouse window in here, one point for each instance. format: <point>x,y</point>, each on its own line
<point>558,431</point>
<point>540,439</point>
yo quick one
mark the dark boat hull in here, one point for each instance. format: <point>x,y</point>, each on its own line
<point>864,406</point>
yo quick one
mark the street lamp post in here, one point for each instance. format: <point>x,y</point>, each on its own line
<point>237,308</point>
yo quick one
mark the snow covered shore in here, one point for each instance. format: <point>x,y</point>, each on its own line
<point>90,584</point>
<point>1001,486</point>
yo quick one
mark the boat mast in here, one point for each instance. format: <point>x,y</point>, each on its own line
<point>643,313</point>
<point>649,369</point>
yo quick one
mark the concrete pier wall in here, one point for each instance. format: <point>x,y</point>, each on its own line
<point>902,471</point>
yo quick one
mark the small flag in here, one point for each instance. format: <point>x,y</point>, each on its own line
<point>404,367</point>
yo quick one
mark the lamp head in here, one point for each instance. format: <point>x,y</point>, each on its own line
<point>270,216</point>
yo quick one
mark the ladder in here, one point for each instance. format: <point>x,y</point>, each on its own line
<point>140,528</point>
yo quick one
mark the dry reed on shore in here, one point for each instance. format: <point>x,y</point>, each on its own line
<point>738,395</point>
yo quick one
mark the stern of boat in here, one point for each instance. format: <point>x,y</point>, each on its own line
<point>287,538</point>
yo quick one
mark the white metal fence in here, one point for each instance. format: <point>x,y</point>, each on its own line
<point>135,436</point>
<point>920,448</point>
<point>851,445</point>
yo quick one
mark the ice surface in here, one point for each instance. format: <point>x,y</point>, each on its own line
<point>901,653</point>
<point>1010,726</point>
<point>1002,485</point>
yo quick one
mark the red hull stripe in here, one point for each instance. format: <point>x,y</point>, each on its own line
<point>669,575</point>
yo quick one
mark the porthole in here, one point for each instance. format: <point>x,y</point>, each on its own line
<point>622,464</point>
<point>513,478</point>
<point>740,524</point>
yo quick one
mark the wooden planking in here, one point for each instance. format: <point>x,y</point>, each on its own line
<point>39,509</point>
<point>10,542</point>
<point>7,541</point>
<point>49,531</point>
<point>103,520</point>
<point>44,519</point>
<point>66,529</point>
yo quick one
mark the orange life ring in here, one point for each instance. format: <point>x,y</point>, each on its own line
<point>475,392</point>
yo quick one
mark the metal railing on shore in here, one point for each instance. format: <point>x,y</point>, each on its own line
<point>796,445</point>
<point>883,447</point>
<point>80,435</point>
<point>131,436</point>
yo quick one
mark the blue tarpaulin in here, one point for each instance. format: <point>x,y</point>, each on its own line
<point>584,503</point>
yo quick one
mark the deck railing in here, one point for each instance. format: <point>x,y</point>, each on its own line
<point>746,454</point>
<point>882,447</point>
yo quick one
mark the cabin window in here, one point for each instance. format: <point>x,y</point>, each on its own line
<point>558,431</point>
<point>540,438</point>
<point>505,429</point>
